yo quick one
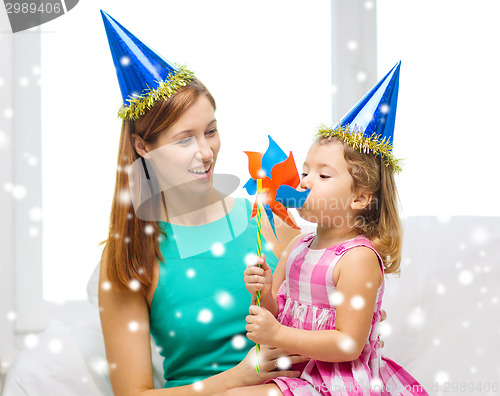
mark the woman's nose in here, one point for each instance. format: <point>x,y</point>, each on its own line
<point>205,152</point>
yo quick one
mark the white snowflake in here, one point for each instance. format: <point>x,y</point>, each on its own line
<point>8,113</point>
<point>440,289</point>
<point>352,45</point>
<point>357,302</point>
<point>284,363</point>
<point>33,231</point>
<point>385,329</point>
<point>99,366</point>
<point>24,82</point>
<point>224,299</point>
<point>369,5</point>
<point>361,76</point>
<point>149,229</point>
<point>480,236</point>
<point>347,344</point>
<point>11,316</point>
<point>198,386</point>
<point>465,277</point>
<point>133,326</point>
<point>36,214</point>
<point>441,377</point>
<point>124,197</point>
<point>336,298</point>
<point>190,273</point>
<point>416,318</point>
<point>19,192</point>
<point>134,285</point>
<point>106,285</point>
<point>238,341</point>
<point>218,249</point>
<point>4,140</point>
<point>55,346</point>
<point>251,259</point>
<point>125,61</point>
<point>205,316</point>
<point>31,341</point>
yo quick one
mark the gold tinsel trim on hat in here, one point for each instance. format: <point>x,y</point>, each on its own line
<point>139,104</point>
<point>355,138</point>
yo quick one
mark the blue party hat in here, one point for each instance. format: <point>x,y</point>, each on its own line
<point>144,76</point>
<point>369,125</point>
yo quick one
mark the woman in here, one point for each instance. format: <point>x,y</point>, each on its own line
<point>173,262</point>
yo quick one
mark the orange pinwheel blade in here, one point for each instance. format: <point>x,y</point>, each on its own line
<point>285,173</point>
<point>254,164</point>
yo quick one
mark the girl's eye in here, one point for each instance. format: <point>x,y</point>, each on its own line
<point>303,175</point>
<point>324,176</point>
<point>211,132</point>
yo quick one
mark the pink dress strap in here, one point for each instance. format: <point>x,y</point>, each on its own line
<point>342,248</point>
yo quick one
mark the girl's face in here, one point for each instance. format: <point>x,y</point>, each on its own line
<point>185,153</point>
<point>325,172</point>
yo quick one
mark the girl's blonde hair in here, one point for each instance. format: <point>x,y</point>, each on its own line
<point>133,244</point>
<point>380,220</point>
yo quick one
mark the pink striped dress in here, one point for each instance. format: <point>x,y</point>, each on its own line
<point>305,302</point>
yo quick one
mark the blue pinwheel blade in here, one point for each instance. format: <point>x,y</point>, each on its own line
<point>251,186</point>
<point>269,213</point>
<point>273,155</point>
<point>290,197</point>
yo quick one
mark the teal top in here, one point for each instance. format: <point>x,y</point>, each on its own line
<point>198,311</point>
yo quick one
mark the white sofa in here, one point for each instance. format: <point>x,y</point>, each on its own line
<point>443,326</point>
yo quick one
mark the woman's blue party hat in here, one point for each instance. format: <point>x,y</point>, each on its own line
<point>144,76</point>
<point>369,125</point>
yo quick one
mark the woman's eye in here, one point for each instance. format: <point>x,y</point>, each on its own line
<point>211,132</point>
<point>185,141</point>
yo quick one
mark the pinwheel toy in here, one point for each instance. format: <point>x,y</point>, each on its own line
<point>273,180</point>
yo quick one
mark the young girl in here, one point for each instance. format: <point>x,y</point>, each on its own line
<point>324,299</point>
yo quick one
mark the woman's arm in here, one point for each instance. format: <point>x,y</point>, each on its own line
<point>358,281</point>
<point>125,326</point>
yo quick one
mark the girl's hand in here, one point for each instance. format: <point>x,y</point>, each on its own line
<point>259,278</point>
<point>262,326</point>
<point>269,369</point>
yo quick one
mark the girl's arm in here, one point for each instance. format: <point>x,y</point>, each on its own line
<point>358,278</point>
<point>262,279</point>
<point>125,326</point>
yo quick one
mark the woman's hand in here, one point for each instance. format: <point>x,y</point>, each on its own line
<point>262,326</point>
<point>383,316</point>
<point>259,278</point>
<point>271,360</point>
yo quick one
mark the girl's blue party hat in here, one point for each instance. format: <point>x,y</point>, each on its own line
<point>144,76</point>
<point>369,125</point>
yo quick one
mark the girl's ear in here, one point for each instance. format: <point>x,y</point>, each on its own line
<point>140,146</point>
<point>362,200</point>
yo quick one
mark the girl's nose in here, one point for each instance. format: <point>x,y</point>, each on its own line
<point>304,184</point>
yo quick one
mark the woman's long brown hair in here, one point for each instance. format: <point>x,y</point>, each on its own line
<point>132,246</point>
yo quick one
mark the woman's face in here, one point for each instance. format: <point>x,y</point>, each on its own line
<point>185,153</point>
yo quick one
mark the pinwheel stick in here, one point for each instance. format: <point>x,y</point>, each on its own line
<point>259,243</point>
